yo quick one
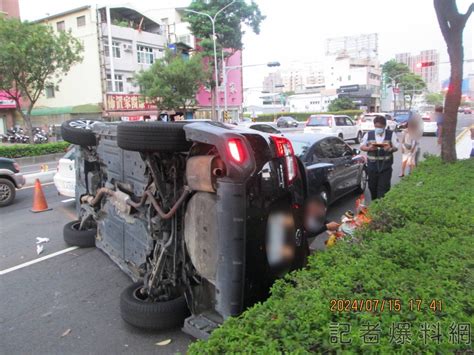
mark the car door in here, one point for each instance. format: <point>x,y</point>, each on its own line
<point>351,128</point>
<point>349,168</point>
<point>325,153</point>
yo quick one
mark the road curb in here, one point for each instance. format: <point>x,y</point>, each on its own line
<point>39,159</point>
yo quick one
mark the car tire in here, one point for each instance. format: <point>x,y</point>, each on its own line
<point>143,314</point>
<point>152,136</point>
<point>79,238</point>
<point>79,131</point>
<point>7,192</point>
<point>363,181</point>
<point>358,138</point>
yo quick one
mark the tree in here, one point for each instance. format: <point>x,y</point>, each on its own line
<point>228,28</point>
<point>341,104</point>
<point>434,98</point>
<point>172,81</point>
<point>33,57</point>
<point>393,72</point>
<point>410,84</point>
<point>452,24</point>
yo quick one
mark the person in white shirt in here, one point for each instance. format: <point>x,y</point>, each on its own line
<point>380,144</point>
<point>410,144</point>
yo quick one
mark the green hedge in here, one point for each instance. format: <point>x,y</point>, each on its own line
<point>31,150</point>
<point>303,116</point>
<point>419,246</point>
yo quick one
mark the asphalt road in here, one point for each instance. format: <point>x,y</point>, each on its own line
<point>79,290</point>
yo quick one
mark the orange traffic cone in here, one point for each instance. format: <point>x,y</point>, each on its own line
<point>39,201</point>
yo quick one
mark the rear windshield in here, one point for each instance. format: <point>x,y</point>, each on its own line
<point>318,121</point>
<point>300,148</point>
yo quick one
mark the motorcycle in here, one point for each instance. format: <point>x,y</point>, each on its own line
<point>40,136</point>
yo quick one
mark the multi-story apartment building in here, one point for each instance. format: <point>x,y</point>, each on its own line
<point>311,102</point>
<point>356,78</point>
<point>298,78</point>
<point>8,8</point>
<point>273,82</point>
<point>177,31</point>
<point>430,74</point>
<point>118,42</point>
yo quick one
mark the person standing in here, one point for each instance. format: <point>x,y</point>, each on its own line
<point>380,144</point>
<point>439,118</point>
<point>410,145</point>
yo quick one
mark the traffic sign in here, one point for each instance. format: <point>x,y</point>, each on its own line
<point>396,90</point>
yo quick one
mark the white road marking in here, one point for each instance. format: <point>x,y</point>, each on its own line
<point>31,186</point>
<point>35,261</point>
<point>68,200</point>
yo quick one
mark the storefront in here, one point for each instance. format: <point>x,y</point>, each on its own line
<point>129,107</point>
<point>7,112</point>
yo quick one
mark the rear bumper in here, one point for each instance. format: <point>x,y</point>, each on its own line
<point>19,180</point>
<point>430,128</point>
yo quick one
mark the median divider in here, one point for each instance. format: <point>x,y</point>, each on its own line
<point>43,177</point>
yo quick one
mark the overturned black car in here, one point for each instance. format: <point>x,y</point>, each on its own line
<point>202,216</point>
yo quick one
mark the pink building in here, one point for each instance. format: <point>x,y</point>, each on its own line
<point>234,91</point>
<point>8,8</point>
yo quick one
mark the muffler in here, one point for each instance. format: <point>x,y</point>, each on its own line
<point>202,172</point>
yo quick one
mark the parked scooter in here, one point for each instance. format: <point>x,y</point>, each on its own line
<point>40,136</point>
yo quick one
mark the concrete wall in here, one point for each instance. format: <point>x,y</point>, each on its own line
<point>82,85</point>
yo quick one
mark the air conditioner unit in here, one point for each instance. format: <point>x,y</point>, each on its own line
<point>127,47</point>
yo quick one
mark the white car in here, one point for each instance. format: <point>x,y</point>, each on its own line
<point>367,121</point>
<point>430,126</point>
<point>337,125</point>
<point>65,177</point>
<point>260,126</point>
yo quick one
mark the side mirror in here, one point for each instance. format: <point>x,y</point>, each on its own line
<point>356,151</point>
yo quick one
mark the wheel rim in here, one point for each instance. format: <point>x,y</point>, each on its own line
<point>5,192</point>
<point>363,180</point>
<point>82,124</point>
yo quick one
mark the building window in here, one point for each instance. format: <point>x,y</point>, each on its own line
<point>145,54</point>
<point>81,21</point>
<point>49,91</point>
<point>61,26</point>
<point>115,49</point>
<point>118,83</point>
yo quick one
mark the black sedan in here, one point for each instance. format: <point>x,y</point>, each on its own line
<point>333,169</point>
<point>286,122</point>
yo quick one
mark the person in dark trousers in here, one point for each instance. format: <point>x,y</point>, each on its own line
<point>380,144</point>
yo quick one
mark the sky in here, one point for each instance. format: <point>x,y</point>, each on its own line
<point>296,30</point>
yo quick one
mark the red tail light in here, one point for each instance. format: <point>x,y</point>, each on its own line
<point>236,150</point>
<point>284,149</point>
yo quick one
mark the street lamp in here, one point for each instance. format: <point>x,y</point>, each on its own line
<point>227,69</point>
<point>394,86</point>
<point>213,21</point>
